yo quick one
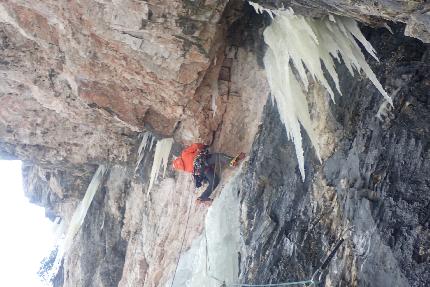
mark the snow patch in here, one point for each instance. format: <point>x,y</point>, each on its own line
<point>161,158</point>
<point>305,44</point>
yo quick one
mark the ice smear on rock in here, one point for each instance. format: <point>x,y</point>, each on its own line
<point>141,151</point>
<point>161,158</point>
<point>78,218</point>
<point>213,257</point>
<point>307,44</point>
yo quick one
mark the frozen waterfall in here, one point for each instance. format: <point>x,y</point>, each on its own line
<point>298,49</point>
<point>147,139</point>
<point>161,158</point>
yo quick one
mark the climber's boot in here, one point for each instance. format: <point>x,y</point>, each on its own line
<point>206,202</point>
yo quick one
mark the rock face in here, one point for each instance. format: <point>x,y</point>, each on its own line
<point>373,188</point>
<point>95,72</point>
<point>82,80</point>
<point>134,238</point>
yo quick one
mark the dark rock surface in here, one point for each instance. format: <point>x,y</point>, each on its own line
<point>374,189</point>
<point>98,256</point>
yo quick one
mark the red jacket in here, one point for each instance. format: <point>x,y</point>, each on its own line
<point>186,161</point>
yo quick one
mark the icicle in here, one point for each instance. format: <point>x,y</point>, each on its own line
<point>388,28</point>
<point>142,147</point>
<point>305,43</point>
<point>152,143</point>
<point>215,94</point>
<point>260,9</point>
<point>143,143</point>
<point>78,217</point>
<point>161,157</point>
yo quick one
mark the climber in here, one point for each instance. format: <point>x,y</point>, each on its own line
<point>197,160</point>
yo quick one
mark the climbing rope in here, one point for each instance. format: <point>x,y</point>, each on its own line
<point>183,237</point>
<point>213,180</point>
<point>218,167</point>
<point>316,277</point>
<point>312,282</point>
<point>214,174</point>
<point>186,228</point>
<point>223,284</point>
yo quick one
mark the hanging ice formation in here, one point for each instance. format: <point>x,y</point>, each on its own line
<point>260,9</point>
<point>304,43</point>
<point>161,158</point>
<point>78,217</point>
<point>143,145</point>
<point>214,97</point>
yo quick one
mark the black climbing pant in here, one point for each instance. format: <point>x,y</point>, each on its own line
<point>215,163</point>
<point>213,180</point>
